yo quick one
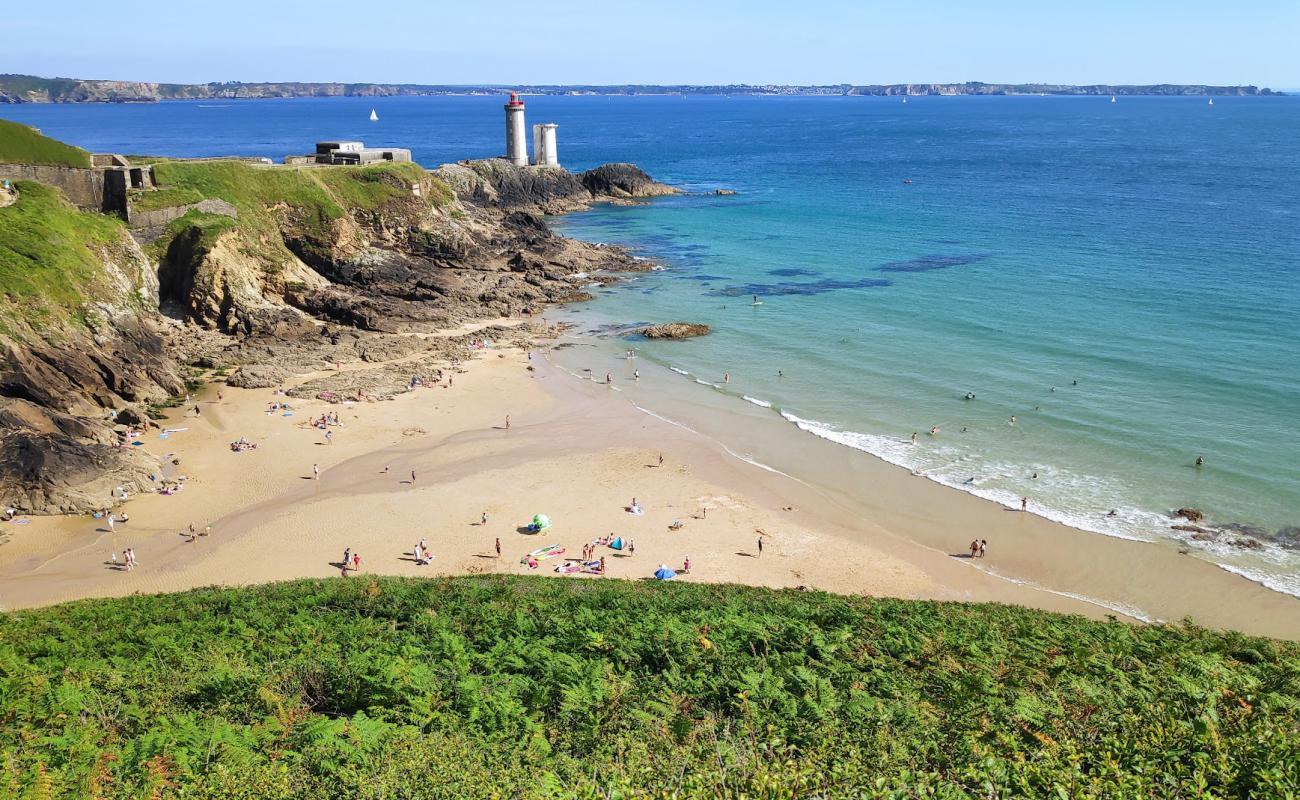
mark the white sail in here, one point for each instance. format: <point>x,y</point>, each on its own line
<point>1112,98</point>
<point>373,116</point>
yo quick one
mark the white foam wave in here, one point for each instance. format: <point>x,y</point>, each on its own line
<point>756,401</point>
<point>680,371</point>
<point>706,383</point>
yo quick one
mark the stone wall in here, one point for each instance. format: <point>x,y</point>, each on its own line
<point>83,187</point>
<point>161,216</point>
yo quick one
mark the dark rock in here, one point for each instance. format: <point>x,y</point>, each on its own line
<point>257,376</point>
<point>622,181</point>
<point>57,474</point>
<point>1189,514</point>
<point>675,330</point>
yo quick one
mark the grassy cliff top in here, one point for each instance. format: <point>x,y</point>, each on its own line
<point>20,144</point>
<point>499,686</point>
<point>51,254</point>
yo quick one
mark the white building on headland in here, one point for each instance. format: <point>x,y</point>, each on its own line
<point>516,137</point>
<point>544,151</point>
<point>544,154</point>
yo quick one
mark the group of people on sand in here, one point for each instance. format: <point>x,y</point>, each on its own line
<point>351,561</point>
<point>421,553</point>
<point>128,563</point>
<point>242,445</point>
<point>172,486</point>
<point>978,547</point>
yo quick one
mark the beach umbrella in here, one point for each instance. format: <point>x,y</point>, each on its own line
<point>663,573</point>
<point>541,521</point>
<point>617,544</point>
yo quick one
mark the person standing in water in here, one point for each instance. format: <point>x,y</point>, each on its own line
<point>1024,504</point>
<point>913,437</point>
<point>726,377</point>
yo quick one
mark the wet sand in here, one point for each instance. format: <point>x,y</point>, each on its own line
<point>580,452</point>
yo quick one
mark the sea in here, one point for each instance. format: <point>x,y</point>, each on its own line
<point>1080,297</point>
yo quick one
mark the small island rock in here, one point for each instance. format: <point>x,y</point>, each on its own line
<point>675,330</point>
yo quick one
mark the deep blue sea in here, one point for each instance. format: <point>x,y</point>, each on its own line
<point>1123,279</point>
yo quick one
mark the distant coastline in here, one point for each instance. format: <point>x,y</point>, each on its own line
<point>32,89</point>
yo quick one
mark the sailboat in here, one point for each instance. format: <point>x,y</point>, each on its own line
<point>904,101</point>
<point>1211,101</point>
<point>1112,98</point>
<point>373,116</point>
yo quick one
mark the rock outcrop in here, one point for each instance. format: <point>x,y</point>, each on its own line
<point>623,182</point>
<point>675,330</point>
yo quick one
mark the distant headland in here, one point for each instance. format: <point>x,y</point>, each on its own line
<point>31,89</point>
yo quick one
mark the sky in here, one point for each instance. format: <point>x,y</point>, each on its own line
<point>658,41</point>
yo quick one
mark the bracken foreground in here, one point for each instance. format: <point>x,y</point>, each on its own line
<point>526,687</point>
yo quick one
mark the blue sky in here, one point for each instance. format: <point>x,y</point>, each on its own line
<point>658,41</point>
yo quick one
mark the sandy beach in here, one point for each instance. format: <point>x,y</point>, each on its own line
<point>580,453</point>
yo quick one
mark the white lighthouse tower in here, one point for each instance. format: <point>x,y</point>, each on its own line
<point>516,133</point>
<point>544,154</point>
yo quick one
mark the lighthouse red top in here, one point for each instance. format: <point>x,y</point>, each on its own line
<point>515,101</point>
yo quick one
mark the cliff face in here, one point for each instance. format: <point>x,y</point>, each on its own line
<point>302,266</point>
<point>31,89</point>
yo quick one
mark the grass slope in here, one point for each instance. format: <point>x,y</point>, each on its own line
<point>526,687</point>
<point>20,144</point>
<point>298,202</point>
<point>51,254</point>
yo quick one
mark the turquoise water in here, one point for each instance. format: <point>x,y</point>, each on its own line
<point>1149,250</point>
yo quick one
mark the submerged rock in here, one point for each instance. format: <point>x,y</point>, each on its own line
<point>675,330</point>
<point>1189,514</point>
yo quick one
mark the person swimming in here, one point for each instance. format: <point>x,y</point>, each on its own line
<point>1200,461</point>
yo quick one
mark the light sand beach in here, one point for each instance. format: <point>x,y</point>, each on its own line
<point>580,453</point>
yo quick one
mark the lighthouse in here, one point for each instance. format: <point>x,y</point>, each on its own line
<point>516,133</point>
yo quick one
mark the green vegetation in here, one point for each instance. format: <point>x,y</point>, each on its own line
<point>20,144</point>
<point>278,203</point>
<point>527,687</point>
<point>51,254</point>
<point>163,198</point>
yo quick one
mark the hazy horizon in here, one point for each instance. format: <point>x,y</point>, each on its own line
<point>825,42</point>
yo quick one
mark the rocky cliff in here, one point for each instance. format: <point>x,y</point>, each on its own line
<point>31,89</point>
<point>100,322</point>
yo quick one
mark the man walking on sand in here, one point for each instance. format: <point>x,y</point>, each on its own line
<point>315,471</point>
<point>760,545</point>
<point>498,547</point>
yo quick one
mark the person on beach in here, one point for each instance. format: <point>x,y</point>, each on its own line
<point>315,472</point>
<point>482,520</point>
<point>661,459</point>
<point>10,513</point>
<point>507,422</point>
<point>356,562</point>
<point>347,557</point>
<point>498,547</point>
<point>109,522</point>
<point>913,437</point>
<point>198,412</point>
<point>207,530</point>
<point>636,374</point>
<point>412,477</point>
<point>760,545</point>
<point>112,558</point>
<point>631,547</point>
<point>602,565</point>
<point>385,470</point>
<point>984,546</point>
<point>191,538</point>
<point>686,564</point>
<point>609,378</point>
<point>726,377</point>
<point>329,437</point>
<point>974,548</point>
<point>1024,504</point>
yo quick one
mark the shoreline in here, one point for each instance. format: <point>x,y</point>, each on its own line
<point>271,521</point>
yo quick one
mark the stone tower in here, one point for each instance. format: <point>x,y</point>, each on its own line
<point>544,154</point>
<point>516,133</point>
